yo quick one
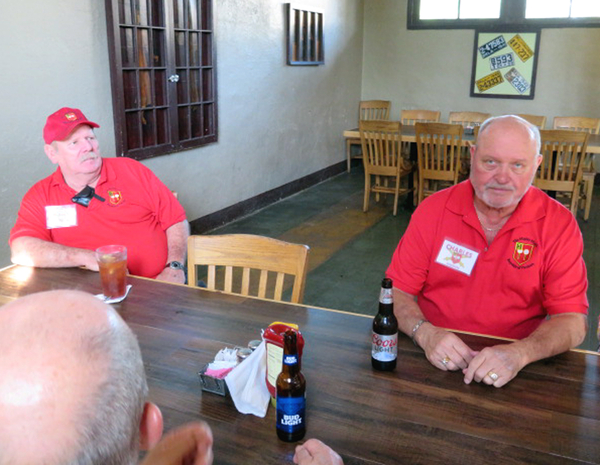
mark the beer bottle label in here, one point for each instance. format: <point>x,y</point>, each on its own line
<point>290,413</point>
<point>385,296</point>
<point>385,348</point>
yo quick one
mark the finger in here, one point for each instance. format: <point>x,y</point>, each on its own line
<point>472,370</point>
<point>191,443</point>
<point>302,455</point>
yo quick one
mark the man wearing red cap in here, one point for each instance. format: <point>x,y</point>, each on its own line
<point>90,201</point>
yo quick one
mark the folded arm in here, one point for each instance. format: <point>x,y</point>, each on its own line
<point>177,236</point>
<point>32,251</point>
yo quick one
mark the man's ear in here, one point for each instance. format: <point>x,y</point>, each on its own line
<point>50,153</point>
<point>151,426</point>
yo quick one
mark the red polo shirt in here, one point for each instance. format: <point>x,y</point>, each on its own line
<point>137,210</point>
<point>533,267</point>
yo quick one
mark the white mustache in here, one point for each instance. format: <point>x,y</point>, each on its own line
<point>494,185</point>
<point>90,156</point>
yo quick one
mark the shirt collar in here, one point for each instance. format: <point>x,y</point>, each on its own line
<point>107,173</point>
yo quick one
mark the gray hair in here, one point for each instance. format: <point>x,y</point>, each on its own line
<point>533,130</point>
<point>109,422</point>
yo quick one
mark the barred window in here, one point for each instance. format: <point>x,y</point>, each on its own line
<point>163,75</point>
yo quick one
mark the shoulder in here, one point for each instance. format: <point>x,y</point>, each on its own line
<point>43,186</point>
<point>124,163</point>
<point>454,198</point>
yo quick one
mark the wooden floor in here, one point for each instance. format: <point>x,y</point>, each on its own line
<point>350,250</point>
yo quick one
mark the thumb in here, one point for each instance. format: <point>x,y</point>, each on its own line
<point>301,455</point>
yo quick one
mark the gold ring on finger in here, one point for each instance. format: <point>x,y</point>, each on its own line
<point>446,360</point>
<point>493,376</point>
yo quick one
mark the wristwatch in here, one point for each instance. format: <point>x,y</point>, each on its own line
<point>175,265</point>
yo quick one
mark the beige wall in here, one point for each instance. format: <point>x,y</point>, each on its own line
<point>432,69</point>
<point>276,123</point>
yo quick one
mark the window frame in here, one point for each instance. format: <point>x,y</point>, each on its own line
<point>174,143</point>
<point>512,14</point>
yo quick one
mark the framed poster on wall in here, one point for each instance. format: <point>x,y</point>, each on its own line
<point>505,64</point>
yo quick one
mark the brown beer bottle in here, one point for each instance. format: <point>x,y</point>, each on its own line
<point>291,393</point>
<point>384,351</point>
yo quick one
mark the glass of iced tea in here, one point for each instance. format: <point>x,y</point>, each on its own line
<point>112,261</point>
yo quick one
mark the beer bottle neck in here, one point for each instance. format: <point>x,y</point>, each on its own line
<point>291,359</point>
<point>386,305</point>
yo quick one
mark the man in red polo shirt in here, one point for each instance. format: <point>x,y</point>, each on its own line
<point>496,256</point>
<point>90,201</point>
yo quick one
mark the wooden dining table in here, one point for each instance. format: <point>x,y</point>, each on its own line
<point>417,414</point>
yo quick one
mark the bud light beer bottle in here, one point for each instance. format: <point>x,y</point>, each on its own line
<point>384,352</point>
<point>291,392</point>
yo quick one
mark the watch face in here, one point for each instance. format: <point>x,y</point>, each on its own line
<point>176,265</point>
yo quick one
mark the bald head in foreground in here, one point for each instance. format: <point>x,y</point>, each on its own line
<point>73,391</point>
<point>73,388</point>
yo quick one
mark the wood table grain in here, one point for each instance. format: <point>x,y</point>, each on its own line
<point>549,414</point>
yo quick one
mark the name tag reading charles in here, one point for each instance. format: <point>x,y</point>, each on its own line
<point>457,257</point>
<point>61,216</point>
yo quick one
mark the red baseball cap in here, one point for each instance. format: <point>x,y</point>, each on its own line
<point>61,123</point>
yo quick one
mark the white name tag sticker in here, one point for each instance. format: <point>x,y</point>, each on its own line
<point>61,216</point>
<point>457,257</point>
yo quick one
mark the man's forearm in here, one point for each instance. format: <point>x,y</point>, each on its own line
<point>407,311</point>
<point>554,336</point>
<point>32,251</point>
<point>177,236</point>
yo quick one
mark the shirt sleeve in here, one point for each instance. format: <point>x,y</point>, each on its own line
<point>565,277</point>
<point>167,208</point>
<point>31,219</point>
<point>410,263</point>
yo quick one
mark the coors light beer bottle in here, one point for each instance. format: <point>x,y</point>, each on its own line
<point>291,393</point>
<point>384,352</point>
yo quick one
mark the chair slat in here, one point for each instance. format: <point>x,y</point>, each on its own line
<point>262,284</point>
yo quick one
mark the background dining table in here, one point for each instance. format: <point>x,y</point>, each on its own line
<point>549,414</point>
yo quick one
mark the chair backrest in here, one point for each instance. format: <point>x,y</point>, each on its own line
<point>249,265</point>
<point>536,120</point>
<point>468,119</point>
<point>579,123</point>
<point>374,110</point>
<point>438,148</point>
<point>576,123</point>
<point>562,163</point>
<point>410,117</point>
<point>381,146</point>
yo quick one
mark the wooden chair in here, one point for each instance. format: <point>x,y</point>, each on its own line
<point>368,110</point>
<point>536,120</point>
<point>467,119</point>
<point>438,148</point>
<point>382,158</point>
<point>591,126</point>
<point>562,164</point>
<point>410,117</point>
<point>252,265</point>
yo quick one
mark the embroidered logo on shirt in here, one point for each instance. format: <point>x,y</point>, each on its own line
<point>523,252</point>
<point>457,257</point>
<point>115,197</point>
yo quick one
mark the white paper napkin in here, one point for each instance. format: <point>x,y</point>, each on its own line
<point>247,384</point>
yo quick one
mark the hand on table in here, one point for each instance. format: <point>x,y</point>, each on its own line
<point>190,444</point>
<point>445,350</point>
<point>314,452</point>
<point>495,365</point>
<point>171,275</point>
